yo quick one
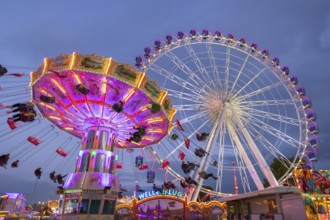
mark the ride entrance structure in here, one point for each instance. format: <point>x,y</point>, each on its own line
<point>108,105</point>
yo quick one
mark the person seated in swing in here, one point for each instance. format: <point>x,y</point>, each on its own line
<point>21,107</point>
<point>202,137</point>
<point>38,172</point>
<point>3,70</point>
<point>155,188</point>
<point>15,164</point>
<point>200,152</point>
<point>190,181</point>
<point>169,185</point>
<point>205,175</point>
<point>183,184</point>
<point>136,137</point>
<point>141,130</point>
<point>24,117</point>
<point>118,107</point>
<point>52,176</point>
<point>4,160</point>
<point>47,99</point>
<point>59,178</point>
<point>138,189</point>
<point>187,167</point>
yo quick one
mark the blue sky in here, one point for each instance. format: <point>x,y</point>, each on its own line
<point>299,35</point>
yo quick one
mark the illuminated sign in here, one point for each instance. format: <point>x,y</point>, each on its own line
<point>164,192</point>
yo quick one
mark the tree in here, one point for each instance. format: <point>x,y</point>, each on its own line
<point>279,167</point>
<point>203,194</point>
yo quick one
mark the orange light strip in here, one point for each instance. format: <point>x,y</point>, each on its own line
<point>68,128</point>
<point>73,59</point>
<point>45,65</point>
<point>143,75</point>
<point>172,114</point>
<point>108,67</point>
<point>156,131</point>
<point>47,106</point>
<point>54,117</point>
<point>163,98</point>
<point>45,92</point>
<point>76,77</point>
<point>58,85</point>
<point>155,120</point>
<point>129,95</point>
<point>149,139</point>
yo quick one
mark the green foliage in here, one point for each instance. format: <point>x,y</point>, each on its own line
<point>279,169</point>
<point>202,194</point>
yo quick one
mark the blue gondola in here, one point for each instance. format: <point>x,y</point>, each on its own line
<point>312,155</point>
<point>217,35</point>
<point>193,33</point>
<point>242,42</point>
<point>205,34</point>
<point>307,103</point>
<point>315,143</point>
<point>311,116</point>
<point>169,39</point>
<point>138,61</point>
<point>180,35</point>
<point>276,61</point>
<point>147,52</point>
<point>301,91</point>
<point>314,129</point>
<point>254,47</point>
<point>230,37</point>
<point>150,176</point>
<point>294,80</point>
<point>265,53</point>
<point>286,70</point>
<point>158,45</point>
<point>138,161</point>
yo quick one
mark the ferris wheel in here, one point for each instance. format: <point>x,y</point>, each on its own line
<point>237,112</point>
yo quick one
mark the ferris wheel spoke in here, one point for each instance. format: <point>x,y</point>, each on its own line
<point>174,78</point>
<point>191,135</point>
<point>227,69</point>
<point>244,155</point>
<point>215,71</point>
<point>220,159</point>
<point>239,74</point>
<point>183,95</point>
<point>267,103</point>
<point>213,136</point>
<point>199,65</point>
<point>185,69</point>
<point>259,91</point>
<point>254,149</point>
<point>188,107</point>
<point>193,117</point>
<point>273,116</point>
<point>240,167</point>
<point>274,132</point>
<point>273,150</point>
<point>249,82</point>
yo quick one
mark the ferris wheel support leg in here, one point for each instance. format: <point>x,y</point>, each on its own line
<point>244,156</point>
<point>254,149</point>
<point>209,148</point>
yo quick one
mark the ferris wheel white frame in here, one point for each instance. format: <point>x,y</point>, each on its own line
<point>289,82</point>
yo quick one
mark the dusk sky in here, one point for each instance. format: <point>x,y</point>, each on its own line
<point>296,31</point>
